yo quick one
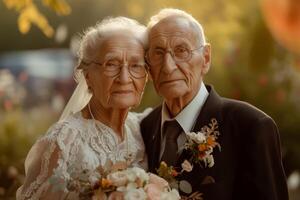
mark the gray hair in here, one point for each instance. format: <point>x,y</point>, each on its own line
<point>168,12</point>
<point>94,36</point>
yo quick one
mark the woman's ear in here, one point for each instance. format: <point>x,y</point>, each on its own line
<point>87,77</point>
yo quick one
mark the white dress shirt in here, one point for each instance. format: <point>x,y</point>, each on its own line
<point>186,118</point>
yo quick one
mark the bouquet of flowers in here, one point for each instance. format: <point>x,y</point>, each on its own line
<point>170,174</point>
<point>117,181</point>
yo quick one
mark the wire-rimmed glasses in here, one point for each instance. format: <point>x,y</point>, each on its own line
<point>112,68</point>
<point>156,56</point>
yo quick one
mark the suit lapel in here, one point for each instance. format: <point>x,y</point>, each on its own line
<point>155,140</point>
<point>211,109</point>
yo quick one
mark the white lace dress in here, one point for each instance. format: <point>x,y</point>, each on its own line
<point>78,144</point>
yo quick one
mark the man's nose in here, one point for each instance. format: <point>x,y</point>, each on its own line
<point>124,76</point>
<point>169,64</point>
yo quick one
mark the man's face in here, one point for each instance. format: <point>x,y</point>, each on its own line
<point>177,74</point>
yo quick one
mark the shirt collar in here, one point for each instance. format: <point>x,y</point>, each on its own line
<point>187,117</point>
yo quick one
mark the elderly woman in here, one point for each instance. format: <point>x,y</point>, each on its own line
<point>96,125</point>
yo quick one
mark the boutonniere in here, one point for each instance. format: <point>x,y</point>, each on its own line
<point>202,144</point>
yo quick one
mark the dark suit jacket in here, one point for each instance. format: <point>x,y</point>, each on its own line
<point>249,165</point>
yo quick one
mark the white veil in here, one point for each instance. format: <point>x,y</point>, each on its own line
<point>86,45</point>
<point>79,99</point>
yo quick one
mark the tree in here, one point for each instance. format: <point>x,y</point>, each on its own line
<point>29,13</point>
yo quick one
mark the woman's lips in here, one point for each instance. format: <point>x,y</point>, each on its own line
<point>122,92</point>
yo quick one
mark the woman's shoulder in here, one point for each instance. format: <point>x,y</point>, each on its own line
<point>134,119</point>
<point>139,116</point>
<point>66,130</point>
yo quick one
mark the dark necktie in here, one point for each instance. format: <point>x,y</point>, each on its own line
<point>171,130</point>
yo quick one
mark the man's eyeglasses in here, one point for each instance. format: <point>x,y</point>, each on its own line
<point>156,56</point>
<point>112,68</point>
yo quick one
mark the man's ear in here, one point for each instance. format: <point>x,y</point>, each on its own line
<point>206,58</point>
<point>150,77</point>
<point>149,74</point>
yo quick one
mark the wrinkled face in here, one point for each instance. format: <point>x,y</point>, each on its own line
<point>171,39</point>
<point>117,90</point>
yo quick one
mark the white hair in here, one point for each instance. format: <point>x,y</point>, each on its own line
<point>94,36</point>
<point>168,12</point>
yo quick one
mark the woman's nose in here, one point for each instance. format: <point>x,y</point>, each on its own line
<point>124,76</point>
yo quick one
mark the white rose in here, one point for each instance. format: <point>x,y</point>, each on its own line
<point>191,135</point>
<point>131,186</point>
<point>135,172</point>
<point>118,178</point>
<point>121,189</point>
<point>128,187</point>
<point>171,195</point>
<point>187,166</point>
<point>198,137</point>
<point>135,194</point>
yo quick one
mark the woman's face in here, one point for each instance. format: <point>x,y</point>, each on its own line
<point>119,82</point>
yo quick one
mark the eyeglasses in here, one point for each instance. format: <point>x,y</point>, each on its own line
<point>112,68</point>
<point>179,54</point>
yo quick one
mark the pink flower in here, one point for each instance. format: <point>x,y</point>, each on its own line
<point>118,178</point>
<point>155,187</point>
<point>187,166</point>
<point>99,195</point>
<point>116,196</point>
<point>160,182</point>
<point>153,191</point>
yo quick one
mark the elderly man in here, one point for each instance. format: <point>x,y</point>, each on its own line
<point>248,164</point>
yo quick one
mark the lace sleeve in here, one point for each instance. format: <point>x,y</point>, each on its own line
<point>42,159</point>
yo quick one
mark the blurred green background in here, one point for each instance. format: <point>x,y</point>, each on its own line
<point>247,64</point>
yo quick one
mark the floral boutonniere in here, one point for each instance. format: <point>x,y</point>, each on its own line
<point>202,144</point>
